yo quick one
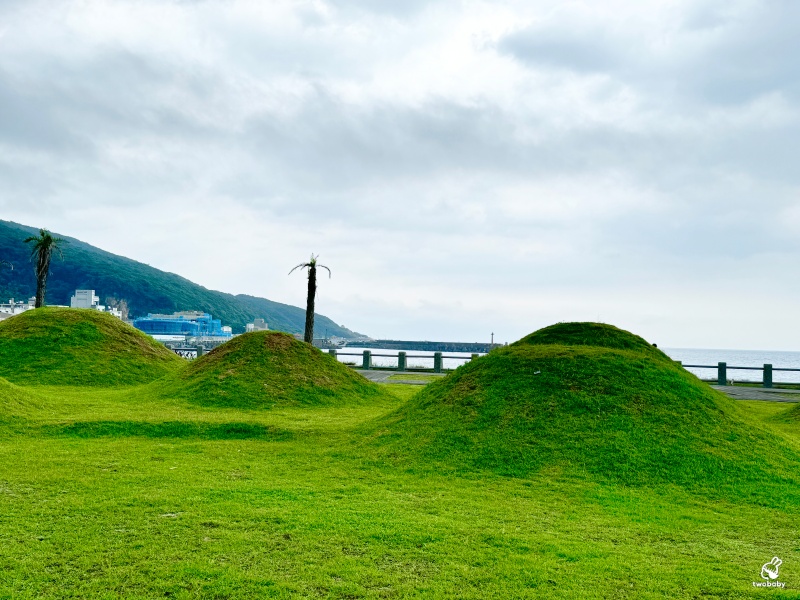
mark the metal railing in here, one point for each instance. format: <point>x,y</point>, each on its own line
<point>402,360</point>
<point>722,371</point>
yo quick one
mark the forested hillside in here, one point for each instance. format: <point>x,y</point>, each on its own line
<point>142,287</point>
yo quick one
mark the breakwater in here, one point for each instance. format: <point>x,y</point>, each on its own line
<point>425,346</point>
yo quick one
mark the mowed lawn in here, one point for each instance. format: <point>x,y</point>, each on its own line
<point>120,494</point>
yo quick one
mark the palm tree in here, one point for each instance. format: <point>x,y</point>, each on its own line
<point>43,246</point>
<point>311,265</point>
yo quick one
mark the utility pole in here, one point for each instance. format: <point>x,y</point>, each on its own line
<point>493,338</point>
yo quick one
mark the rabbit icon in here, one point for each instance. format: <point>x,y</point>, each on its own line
<point>770,570</point>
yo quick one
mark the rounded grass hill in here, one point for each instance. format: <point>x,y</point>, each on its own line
<point>15,400</point>
<point>592,399</point>
<point>263,369</point>
<point>792,415</point>
<point>79,347</point>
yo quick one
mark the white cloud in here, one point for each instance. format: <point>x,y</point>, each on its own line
<point>461,166</point>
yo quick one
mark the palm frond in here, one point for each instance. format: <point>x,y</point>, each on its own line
<point>300,266</point>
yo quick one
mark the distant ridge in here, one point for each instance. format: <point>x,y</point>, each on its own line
<point>144,288</point>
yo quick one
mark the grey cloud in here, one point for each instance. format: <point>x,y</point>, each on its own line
<point>69,108</point>
<point>583,51</point>
<point>719,57</point>
<point>326,158</point>
<point>707,16</point>
<point>385,7</point>
<point>28,118</point>
<point>757,56</point>
<point>331,143</point>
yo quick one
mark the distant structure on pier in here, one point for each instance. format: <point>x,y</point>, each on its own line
<point>426,346</point>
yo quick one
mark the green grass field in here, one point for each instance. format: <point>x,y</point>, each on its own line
<point>130,492</point>
<point>414,377</point>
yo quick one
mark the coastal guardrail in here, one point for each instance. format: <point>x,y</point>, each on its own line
<point>401,363</point>
<point>402,360</point>
<point>723,368</point>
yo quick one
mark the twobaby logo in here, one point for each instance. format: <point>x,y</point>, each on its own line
<point>769,572</point>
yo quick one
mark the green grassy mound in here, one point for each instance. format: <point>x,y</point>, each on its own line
<point>629,415</point>
<point>265,369</point>
<point>169,429</point>
<point>15,400</point>
<point>599,335</point>
<point>790,415</point>
<point>64,346</point>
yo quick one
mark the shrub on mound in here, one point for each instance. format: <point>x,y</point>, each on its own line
<point>80,347</point>
<point>263,369</point>
<point>623,414</point>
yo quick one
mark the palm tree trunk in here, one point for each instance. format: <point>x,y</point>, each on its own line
<point>42,267</point>
<point>312,292</point>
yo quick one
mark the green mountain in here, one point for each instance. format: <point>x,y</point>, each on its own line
<point>143,288</point>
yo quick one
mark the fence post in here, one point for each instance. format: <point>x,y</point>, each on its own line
<point>401,361</point>
<point>332,352</point>
<point>722,374</point>
<point>767,376</point>
<point>437,362</point>
<point>367,364</point>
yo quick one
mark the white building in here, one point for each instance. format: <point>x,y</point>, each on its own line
<point>88,299</point>
<point>84,299</point>
<point>256,325</point>
<point>14,308</point>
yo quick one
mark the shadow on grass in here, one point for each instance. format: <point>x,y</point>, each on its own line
<point>169,429</point>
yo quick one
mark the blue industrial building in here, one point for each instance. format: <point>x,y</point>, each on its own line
<point>189,324</point>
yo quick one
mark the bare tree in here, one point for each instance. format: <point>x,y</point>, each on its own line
<point>43,247</point>
<point>311,265</point>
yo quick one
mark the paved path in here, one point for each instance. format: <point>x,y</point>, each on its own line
<point>741,392</point>
<point>383,377</point>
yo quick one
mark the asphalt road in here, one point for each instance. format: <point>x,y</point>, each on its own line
<point>383,376</point>
<point>741,392</point>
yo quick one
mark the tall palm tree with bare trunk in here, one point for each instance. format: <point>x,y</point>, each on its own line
<point>311,265</point>
<point>44,245</point>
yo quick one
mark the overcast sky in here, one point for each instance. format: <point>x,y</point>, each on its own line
<point>462,167</point>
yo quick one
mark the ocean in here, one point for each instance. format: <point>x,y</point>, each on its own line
<point>688,356</point>
<point>739,358</point>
